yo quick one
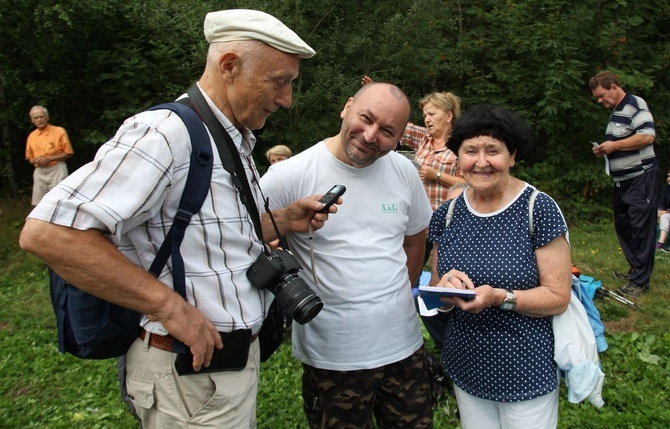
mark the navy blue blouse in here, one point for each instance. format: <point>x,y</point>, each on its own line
<point>495,354</point>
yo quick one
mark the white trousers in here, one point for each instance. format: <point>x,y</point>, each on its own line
<point>665,222</point>
<point>46,178</point>
<point>478,413</point>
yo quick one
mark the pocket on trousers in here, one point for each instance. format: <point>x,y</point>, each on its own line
<point>141,392</point>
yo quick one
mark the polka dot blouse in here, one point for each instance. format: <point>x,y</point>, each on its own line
<point>495,354</point>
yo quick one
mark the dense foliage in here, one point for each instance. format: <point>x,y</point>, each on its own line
<point>94,63</point>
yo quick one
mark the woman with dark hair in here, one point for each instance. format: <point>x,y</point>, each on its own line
<point>499,347</point>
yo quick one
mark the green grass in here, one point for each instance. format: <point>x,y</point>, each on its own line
<point>39,387</point>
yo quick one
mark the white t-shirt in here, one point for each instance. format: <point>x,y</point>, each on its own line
<point>368,319</point>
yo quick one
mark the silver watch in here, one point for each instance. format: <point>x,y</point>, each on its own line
<point>510,301</point>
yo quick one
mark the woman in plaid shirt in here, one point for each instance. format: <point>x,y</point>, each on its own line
<point>438,167</point>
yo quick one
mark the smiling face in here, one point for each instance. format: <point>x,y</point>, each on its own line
<point>261,86</point>
<point>485,163</point>
<point>372,124</point>
<point>436,120</point>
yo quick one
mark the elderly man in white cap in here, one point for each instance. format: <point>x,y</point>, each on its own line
<point>101,227</point>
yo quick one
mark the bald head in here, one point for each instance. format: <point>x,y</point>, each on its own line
<point>373,122</point>
<point>393,90</point>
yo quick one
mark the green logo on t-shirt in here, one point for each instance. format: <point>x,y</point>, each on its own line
<point>389,208</point>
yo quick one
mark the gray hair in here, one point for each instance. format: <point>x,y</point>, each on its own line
<point>250,51</point>
<point>46,112</point>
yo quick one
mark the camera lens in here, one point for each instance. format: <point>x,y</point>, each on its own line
<point>307,309</point>
<point>298,298</point>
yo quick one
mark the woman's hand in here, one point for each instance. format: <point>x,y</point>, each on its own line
<point>486,296</point>
<point>427,174</point>
<point>456,279</point>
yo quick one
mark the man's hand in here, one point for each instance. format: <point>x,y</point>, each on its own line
<point>89,260</point>
<point>305,212</point>
<point>604,148</point>
<point>41,161</point>
<point>634,142</point>
<point>187,324</point>
<point>297,217</point>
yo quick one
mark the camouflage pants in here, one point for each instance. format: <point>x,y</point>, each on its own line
<point>397,395</point>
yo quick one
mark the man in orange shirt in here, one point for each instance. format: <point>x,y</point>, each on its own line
<point>47,149</point>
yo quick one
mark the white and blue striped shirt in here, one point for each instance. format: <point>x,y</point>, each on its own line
<point>631,116</point>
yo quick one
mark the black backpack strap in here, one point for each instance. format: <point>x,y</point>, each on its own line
<point>195,192</point>
<point>230,157</point>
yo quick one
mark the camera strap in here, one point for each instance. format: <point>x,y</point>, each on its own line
<point>230,157</point>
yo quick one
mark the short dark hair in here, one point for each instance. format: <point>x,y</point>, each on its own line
<point>492,121</point>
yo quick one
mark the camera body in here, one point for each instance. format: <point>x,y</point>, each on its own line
<point>278,273</point>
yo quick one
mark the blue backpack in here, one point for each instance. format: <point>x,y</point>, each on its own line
<point>92,328</point>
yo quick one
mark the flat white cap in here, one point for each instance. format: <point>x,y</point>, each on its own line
<point>246,24</point>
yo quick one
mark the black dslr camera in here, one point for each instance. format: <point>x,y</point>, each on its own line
<point>278,272</point>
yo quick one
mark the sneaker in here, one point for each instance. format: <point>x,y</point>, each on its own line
<point>625,288</point>
<point>664,250</point>
<point>623,276</point>
<point>633,289</point>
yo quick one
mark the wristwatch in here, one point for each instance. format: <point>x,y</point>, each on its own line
<point>510,301</point>
<point>439,174</point>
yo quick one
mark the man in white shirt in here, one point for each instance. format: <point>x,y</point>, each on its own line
<point>362,355</point>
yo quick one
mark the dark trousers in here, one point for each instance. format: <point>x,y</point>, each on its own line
<point>634,205</point>
<point>437,327</point>
<point>426,256</point>
<point>396,395</point>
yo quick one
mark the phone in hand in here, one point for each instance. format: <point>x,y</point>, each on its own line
<point>331,197</point>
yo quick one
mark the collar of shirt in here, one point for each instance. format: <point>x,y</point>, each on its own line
<point>44,131</point>
<point>245,143</point>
